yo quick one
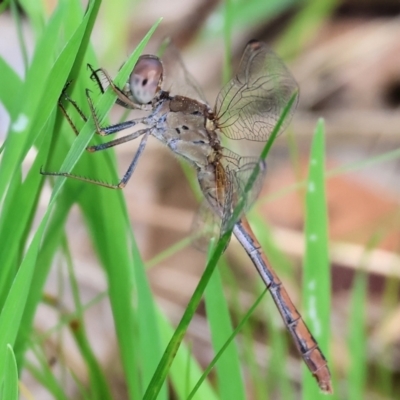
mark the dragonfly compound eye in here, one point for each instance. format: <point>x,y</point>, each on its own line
<point>145,79</point>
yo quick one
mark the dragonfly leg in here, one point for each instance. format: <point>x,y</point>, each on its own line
<point>124,180</point>
<point>116,142</point>
<point>108,130</point>
<point>134,162</point>
<point>122,98</point>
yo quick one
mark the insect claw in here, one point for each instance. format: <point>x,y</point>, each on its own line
<point>67,84</point>
<point>63,92</point>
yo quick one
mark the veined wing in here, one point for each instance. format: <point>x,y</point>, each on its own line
<point>177,79</point>
<point>238,171</point>
<point>214,215</point>
<point>206,226</point>
<point>249,106</point>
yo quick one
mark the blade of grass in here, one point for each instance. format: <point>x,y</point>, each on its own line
<point>277,379</point>
<point>36,105</point>
<point>147,321</point>
<point>22,198</point>
<point>180,367</point>
<point>305,24</point>
<point>230,382</point>
<point>357,376</point>
<point>357,342</point>
<point>173,346</point>
<point>35,11</point>
<point>10,388</point>
<point>11,314</point>
<point>99,388</point>
<point>226,344</point>
<point>316,277</point>
<point>42,372</point>
<point>18,23</point>
<point>11,85</point>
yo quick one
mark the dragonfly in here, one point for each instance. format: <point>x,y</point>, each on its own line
<point>248,107</point>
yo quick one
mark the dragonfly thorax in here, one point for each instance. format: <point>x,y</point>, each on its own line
<point>188,106</point>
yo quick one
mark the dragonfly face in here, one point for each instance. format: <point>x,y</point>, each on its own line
<point>146,79</point>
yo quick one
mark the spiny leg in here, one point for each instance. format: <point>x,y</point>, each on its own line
<point>122,98</point>
<point>134,162</point>
<point>95,77</point>
<point>100,131</point>
<point>108,130</point>
<point>121,184</point>
<point>116,142</point>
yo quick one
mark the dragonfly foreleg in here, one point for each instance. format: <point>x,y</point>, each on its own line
<point>122,99</point>
<point>108,130</point>
<point>121,184</point>
<point>65,95</point>
<point>116,142</point>
<point>135,160</point>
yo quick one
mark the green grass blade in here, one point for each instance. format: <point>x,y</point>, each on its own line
<point>35,11</point>
<point>230,380</point>
<point>192,372</point>
<point>305,24</point>
<point>316,275</point>
<point>173,346</point>
<point>357,342</point>
<point>229,376</point>
<point>11,314</point>
<point>226,344</point>
<point>99,388</point>
<point>51,75</point>
<point>51,241</point>
<point>42,372</point>
<point>11,85</point>
<point>22,199</point>
<point>150,341</point>
<point>10,388</point>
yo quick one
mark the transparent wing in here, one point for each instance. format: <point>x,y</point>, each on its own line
<point>249,106</point>
<point>238,170</point>
<point>177,79</point>
<point>206,226</point>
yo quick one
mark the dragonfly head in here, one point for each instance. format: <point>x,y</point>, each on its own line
<point>146,78</point>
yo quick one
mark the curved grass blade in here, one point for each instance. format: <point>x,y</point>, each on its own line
<point>10,388</point>
<point>13,309</point>
<point>229,376</point>
<point>226,344</point>
<point>316,275</point>
<point>357,343</point>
